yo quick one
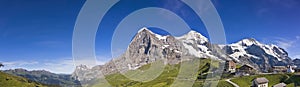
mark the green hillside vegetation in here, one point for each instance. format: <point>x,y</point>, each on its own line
<point>165,79</point>
<point>7,80</point>
<point>289,79</point>
<point>293,79</point>
<point>45,77</point>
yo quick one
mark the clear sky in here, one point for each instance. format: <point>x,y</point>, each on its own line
<point>37,34</point>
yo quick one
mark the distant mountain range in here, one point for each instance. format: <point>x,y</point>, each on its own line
<point>46,77</point>
<point>147,47</point>
<point>296,62</point>
<point>7,80</point>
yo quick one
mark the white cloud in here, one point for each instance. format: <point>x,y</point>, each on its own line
<point>19,63</point>
<point>296,56</point>
<point>290,45</point>
<point>90,62</point>
<point>298,37</point>
<point>62,65</point>
<point>56,66</point>
<point>102,60</point>
<point>284,43</point>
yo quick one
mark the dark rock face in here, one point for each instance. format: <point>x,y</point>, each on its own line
<point>296,62</point>
<point>147,47</point>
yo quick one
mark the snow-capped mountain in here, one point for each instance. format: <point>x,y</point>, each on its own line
<point>262,56</point>
<point>196,44</point>
<point>147,47</point>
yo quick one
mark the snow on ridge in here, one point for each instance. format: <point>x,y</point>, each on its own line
<point>145,29</point>
<point>160,37</point>
<point>190,35</point>
<point>192,51</point>
<point>193,35</point>
<point>248,42</point>
<point>245,43</point>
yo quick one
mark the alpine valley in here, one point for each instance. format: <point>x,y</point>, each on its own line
<point>148,47</point>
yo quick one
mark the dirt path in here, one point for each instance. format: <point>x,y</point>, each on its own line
<point>235,85</point>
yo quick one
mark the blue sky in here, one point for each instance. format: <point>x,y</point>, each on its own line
<point>37,34</point>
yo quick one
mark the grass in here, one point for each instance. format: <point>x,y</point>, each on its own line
<point>223,83</point>
<point>274,79</point>
<point>7,80</point>
<point>294,79</point>
<point>168,76</point>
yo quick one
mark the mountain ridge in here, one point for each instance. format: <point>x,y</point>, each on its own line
<point>7,80</point>
<point>45,77</point>
<point>147,47</point>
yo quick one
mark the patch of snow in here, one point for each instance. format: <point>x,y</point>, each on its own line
<point>241,51</point>
<point>203,48</point>
<point>245,43</point>
<point>145,28</point>
<point>165,46</point>
<point>248,42</point>
<point>193,35</point>
<point>177,51</point>
<point>269,51</point>
<point>192,51</point>
<point>222,46</point>
<point>160,37</point>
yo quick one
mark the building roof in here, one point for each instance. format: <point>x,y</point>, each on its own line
<point>280,85</point>
<point>261,80</point>
<point>279,66</point>
<point>248,65</point>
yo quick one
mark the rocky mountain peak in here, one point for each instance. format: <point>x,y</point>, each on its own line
<point>193,32</point>
<point>248,42</point>
<point>195,35</point>
<point>146,33</point>
<point>145,30</point>
<point>81,67</point>
<point>147,47</point>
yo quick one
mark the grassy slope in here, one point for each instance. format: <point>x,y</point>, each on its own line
<point>223,83</point>
<point>164,80</point>
<point>45,77</point>
<point>171,71</point>
<point>273,79</point>
<point>7,80</point>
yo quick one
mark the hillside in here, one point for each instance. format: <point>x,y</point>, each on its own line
<point>165,79</point>
<point>45,77</point>
<point>147,47</point>
<point>7,80</point>
<point>289,79</point>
